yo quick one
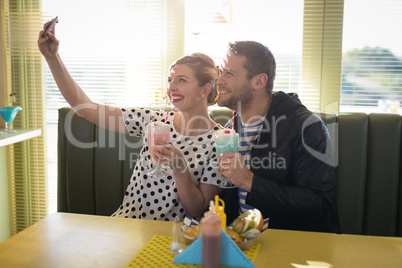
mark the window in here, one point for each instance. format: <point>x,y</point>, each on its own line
<point>372,56</point>
<point>211,24</point>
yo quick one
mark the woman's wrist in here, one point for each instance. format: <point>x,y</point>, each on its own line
<point>51,56</point>
<point>179,165</point>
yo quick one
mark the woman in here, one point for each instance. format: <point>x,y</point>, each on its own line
<point>193,177</point>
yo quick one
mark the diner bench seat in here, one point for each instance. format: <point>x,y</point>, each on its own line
<point>95,166</point>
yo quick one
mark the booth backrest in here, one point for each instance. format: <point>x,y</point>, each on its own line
<point>95,166</point>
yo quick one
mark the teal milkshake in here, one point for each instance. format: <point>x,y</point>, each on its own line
<point>226,140</point>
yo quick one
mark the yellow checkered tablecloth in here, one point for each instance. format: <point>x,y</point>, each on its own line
<point>156,254</point>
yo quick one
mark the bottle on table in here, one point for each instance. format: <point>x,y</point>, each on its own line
<point>220,210</point>
<point>211,240</point>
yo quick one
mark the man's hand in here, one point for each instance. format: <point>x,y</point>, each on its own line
<point>232,166</point>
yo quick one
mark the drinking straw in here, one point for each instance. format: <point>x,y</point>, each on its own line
<point>167,114</point>
<point>233,114</point>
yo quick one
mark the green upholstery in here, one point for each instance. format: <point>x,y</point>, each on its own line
<point>351,170</point>
<point>368,150</point>
<point>92,180</point>
<point>383,167</point>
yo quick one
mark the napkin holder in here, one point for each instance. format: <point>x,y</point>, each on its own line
<point>231,254</point>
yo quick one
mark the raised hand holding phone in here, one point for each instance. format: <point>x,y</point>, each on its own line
<point>50,27</point>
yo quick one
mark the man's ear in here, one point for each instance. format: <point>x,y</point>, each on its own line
<point>259,81</point>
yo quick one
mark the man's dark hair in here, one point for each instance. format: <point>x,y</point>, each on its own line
<point>259,59</point>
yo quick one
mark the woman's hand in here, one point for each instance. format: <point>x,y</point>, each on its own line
<point>48,45</point>
<point>168,155</point>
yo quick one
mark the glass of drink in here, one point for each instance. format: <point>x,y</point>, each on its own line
<point>160,131</point>
<point>8,114</point>
<point>226,140</point>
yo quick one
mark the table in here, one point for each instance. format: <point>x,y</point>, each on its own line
<point>76,240</point>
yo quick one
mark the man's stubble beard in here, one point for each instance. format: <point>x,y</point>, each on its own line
<point>240,102</point>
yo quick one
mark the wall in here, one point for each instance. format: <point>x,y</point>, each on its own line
<point>2,89</point>
<point>4,209</point>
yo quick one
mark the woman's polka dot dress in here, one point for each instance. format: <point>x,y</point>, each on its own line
<point>157,198</point>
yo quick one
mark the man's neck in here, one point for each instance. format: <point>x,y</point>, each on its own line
<point>256,109</point>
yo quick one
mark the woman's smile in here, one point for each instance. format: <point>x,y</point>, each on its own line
<point>174,98</point>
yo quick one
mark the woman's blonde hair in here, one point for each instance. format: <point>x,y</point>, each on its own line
<point>205,71</point>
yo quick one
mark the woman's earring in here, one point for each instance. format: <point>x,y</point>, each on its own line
<point>203,95</point>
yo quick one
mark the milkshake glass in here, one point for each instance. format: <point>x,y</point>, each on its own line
<point>226,140</point>
<point>160,131</point>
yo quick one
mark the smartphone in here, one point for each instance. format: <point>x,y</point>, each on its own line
<point>50,27</point>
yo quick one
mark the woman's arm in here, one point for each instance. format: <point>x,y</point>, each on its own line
<point>194,198</point>
<point>105,116</point>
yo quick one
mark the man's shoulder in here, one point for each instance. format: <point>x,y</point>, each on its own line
<point>289,105</point>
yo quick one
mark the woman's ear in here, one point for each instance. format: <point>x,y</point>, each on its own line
<point>206,89</point>
<point>259,81</point>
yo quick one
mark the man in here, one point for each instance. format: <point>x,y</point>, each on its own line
<point>285,165</point>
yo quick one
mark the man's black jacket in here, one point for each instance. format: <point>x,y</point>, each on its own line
<point>294,175</point>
